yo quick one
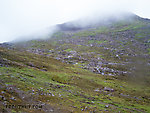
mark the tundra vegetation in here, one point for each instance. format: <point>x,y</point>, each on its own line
<point>102,68</point>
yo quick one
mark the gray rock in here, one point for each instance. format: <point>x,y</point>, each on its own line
<point>97,90</point>
<point>106,106</point>
<point>108,89</point>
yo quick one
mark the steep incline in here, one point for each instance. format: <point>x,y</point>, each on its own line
<point>112,49</point>
<point>92,69</point>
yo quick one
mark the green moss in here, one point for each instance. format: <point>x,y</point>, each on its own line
<point>85,33</point>
<point>140,35</point>
<point>68,50</point>
<point>148,50</point>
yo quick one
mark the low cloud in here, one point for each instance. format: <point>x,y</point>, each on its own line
<point>20,18</point>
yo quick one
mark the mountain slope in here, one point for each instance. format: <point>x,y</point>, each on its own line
<point>102,49</point>
<point>96,68</point>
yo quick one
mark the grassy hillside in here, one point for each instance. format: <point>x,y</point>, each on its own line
<point>91,70</point>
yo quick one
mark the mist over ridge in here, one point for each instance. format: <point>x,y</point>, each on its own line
<point>91,21</point>
<point>22,18</point>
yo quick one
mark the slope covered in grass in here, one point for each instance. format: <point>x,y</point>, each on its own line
<point>34,79</point>
<point>103,68</point>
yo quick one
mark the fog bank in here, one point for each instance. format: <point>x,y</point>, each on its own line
<point>20,18</point>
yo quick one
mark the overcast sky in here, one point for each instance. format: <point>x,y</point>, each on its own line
<point>22,17</point>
